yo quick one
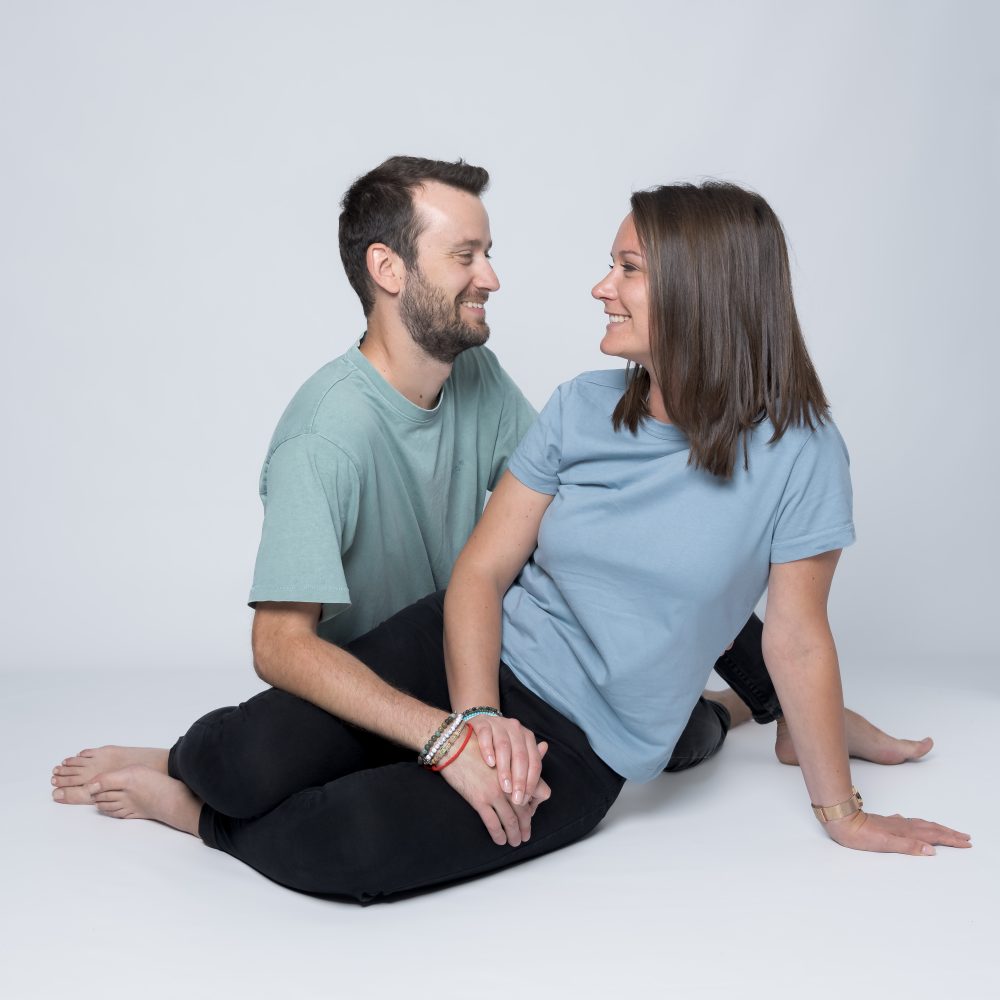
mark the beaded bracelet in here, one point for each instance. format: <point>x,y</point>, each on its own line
<point>457,753</point>
<point>447,734</point>
<point>441,743</point>
<point>445,747</point>
<point>471,713</point>
<point>447,727</point>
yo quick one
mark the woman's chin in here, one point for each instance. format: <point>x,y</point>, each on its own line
<point>608,346</point>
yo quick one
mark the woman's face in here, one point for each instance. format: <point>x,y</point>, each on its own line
<point>624,294</point>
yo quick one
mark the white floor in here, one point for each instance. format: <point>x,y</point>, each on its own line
<point>716,882</point>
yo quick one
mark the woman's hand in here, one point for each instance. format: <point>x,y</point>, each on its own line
<point>512,749</point>
<point>893,834</point>
<point>476,782</point>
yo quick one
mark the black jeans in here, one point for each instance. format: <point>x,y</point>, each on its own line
<point>321,806</point>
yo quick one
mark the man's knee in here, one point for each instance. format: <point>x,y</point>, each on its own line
<point>225,763</point>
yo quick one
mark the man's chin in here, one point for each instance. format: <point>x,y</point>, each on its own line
<point>476,335</point>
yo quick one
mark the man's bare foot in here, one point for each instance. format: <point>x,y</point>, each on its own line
<point>864,741</point>
<point>140,792</point>
<point>72,776</point>
<point>738,711</point>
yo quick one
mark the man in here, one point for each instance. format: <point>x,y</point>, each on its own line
<point>374,479</point>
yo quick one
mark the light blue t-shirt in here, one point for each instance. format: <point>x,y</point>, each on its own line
<point>646,568</point>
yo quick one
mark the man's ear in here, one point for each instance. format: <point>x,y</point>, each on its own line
<point>386,268</point>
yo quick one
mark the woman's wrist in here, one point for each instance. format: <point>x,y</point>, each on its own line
<point>838,828</point>
<point>842,809</point>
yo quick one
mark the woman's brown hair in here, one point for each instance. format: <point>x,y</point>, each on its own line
<point>726,346</point>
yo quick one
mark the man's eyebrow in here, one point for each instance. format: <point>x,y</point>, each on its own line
<point>471,245</point>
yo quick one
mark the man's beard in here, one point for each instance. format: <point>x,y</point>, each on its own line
<point>435,323</point>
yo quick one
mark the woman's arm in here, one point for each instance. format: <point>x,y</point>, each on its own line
<point>495,553</point>
<point>802,660</point>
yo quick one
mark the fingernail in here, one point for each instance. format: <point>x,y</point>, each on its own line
<point>59,794</point>
<point>491,761</point>
<point>518,795</point>
<point>927,849</point>
<point>95,787</point>
<point>506,785</point>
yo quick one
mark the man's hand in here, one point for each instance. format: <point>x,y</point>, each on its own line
<point>476,782</point>
<point>512,749</point>
<point>893,834</point>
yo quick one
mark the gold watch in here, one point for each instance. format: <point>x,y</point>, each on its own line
<point>841,810</point>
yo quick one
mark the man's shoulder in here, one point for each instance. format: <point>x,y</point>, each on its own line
<point>478,367</point>
<point>331,400</point>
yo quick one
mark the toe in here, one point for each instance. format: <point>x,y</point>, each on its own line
<point>72,796</point>
<point>66,780</point>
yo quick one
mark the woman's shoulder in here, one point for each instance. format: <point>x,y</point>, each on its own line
<point>608,383</point>
<point>819,435</point>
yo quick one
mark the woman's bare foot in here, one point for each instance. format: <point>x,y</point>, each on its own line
<point>140,792</point>
<point>738,711</point>
<point>72,776</point>
<point>864,741</point>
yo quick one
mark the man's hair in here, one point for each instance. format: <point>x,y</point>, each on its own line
<point>726,346</point>
<point>378,208</point>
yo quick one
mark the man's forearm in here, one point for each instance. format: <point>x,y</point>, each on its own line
<point>339,683</point>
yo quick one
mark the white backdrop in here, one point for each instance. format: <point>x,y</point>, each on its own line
<point>170,271</point>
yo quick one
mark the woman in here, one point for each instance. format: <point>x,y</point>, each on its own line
<point>639,523</point>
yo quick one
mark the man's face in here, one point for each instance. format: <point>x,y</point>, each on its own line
<point>443,301</point>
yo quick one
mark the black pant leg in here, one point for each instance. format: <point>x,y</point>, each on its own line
<point>744,670</point>
<point>702,737</point>
<point>399,828</point>
<point>243,761</point>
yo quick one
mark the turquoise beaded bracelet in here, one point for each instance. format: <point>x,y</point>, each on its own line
<point>471,713</point>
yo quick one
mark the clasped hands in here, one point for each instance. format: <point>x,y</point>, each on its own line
<point>503,781</point>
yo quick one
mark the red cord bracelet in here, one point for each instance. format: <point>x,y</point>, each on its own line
<point>457,753</point>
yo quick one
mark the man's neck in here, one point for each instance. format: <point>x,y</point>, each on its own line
<point>405,366</point>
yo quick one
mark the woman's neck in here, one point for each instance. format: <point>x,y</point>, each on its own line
<point>657,408</point>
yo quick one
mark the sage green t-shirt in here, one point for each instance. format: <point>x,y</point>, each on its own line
<point>368,498</point>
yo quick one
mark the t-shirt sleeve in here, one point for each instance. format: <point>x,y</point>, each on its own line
<point>311,491</point>
<point>816,510</point>
<point>538,457</point>
<point>516,416</point>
